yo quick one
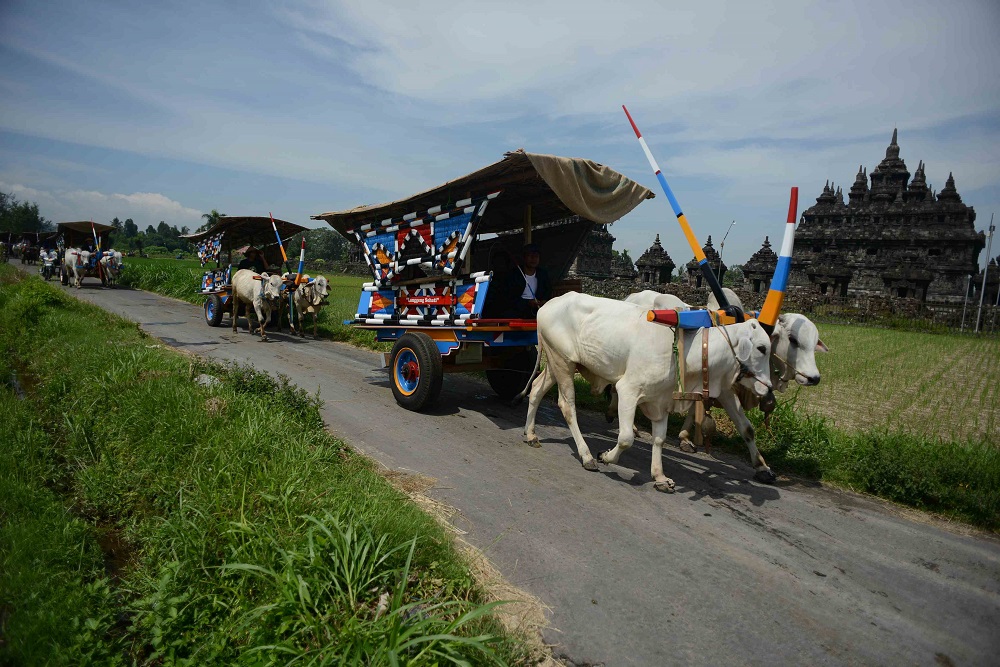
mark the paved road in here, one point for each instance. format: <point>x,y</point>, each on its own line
<point>724,572</point>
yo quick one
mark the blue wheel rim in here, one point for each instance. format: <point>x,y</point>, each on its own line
<point>407,372</point>
<point>210,310</point>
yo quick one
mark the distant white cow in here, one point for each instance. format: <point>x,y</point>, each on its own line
<point>261,291</point>
<point>656,300</point>
<point>75,263</point>
<point>112,264</point>
<point>611,342</point>
<point>309,297</point>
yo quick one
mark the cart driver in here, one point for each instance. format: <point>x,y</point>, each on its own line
<point>528,286</point>
<point>253,260</point>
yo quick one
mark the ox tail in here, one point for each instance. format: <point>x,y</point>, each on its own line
<point>516,401</point>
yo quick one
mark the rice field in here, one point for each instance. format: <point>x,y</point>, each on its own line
<point>935,386</point>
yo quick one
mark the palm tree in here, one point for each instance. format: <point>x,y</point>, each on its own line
<point>211,219</point>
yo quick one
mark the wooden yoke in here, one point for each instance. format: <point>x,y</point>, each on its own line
<point>700,398</point>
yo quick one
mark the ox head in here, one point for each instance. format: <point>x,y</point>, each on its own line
<point>794,345</point>
<point>753,351</point>
<point>320,291</point>
<point>270,287</point>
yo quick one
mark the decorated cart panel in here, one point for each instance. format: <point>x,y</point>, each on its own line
<point>431,298</point>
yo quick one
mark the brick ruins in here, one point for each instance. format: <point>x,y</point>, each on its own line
<point>894,237</point>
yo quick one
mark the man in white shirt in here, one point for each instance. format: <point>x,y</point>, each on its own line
<point>528,285</point>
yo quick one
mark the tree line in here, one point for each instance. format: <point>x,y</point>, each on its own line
<point>22,216</point>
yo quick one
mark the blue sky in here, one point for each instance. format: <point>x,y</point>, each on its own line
<point>163,111</point>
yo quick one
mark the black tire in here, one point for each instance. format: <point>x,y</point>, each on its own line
<point>213,310</point>
<point>416,371</point>
<point>508,381</point>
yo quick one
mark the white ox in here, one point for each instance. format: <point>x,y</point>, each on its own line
<point>794,343</point>
<point>309,297</point>
<point>261,291</point>
<point>76,257</point>
<point>611,343</point>
<point>111,264</point>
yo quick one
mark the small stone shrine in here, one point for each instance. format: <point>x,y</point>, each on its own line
<point>695,275</point>
<point>893,237</point>
<point>759,269</point>
<point>655,266</point>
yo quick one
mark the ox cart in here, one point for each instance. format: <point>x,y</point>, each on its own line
<point>434,256</point>
<point>232,234</point>
<point>75,237</point>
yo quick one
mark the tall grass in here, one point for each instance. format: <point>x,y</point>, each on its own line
<point>207,525</point>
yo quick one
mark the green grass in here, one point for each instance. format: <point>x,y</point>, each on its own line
<point>149,519</point>
<point>955,479</point>
<point>937,386</point>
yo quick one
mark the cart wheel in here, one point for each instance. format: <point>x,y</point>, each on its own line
<point>508,381</point>
<point>416,370</point>
<point>213,310</point>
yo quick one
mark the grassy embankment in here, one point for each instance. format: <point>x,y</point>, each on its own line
<point>911,417</point>
<point>147,518</point>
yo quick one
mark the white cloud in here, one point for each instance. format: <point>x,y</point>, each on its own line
<point>145,208</point>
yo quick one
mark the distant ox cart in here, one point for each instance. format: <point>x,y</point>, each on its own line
<point>217,245</point>
<point>85,244</point>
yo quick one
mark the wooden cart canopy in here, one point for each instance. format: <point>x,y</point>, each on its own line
<point>246,230</point>
<point>554,187</point>
<point>80,233</point>
<point>85,226</point>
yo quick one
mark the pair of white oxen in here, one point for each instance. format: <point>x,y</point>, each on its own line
<point>76,263</point>
<point>262,292</point>
<point>611,344</point>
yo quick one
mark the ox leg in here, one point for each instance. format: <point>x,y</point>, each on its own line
<point>539,386</point>
<point>660,481</point>
<point>262,320</point>
<point>235,300</point>
<point>567,403</point>
<point>315,318</point>
<point>731,404</point>
<point>685,435</point>
<point>612,395</point>
<point>627,402</point>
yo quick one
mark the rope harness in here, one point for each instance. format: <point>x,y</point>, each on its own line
<point>788,366</point>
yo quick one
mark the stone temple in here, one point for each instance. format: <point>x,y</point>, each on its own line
<point>893,237</point>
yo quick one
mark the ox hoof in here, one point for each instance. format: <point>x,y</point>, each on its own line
<point>765,476</point>
<point>666,486</point>
<point>688,446</point>
<point>533,441</point>
<point>590,465</point>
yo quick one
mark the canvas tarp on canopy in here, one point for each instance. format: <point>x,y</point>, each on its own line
<point>246,230</point>
<point>81,233</point>
<point>554,187</point>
